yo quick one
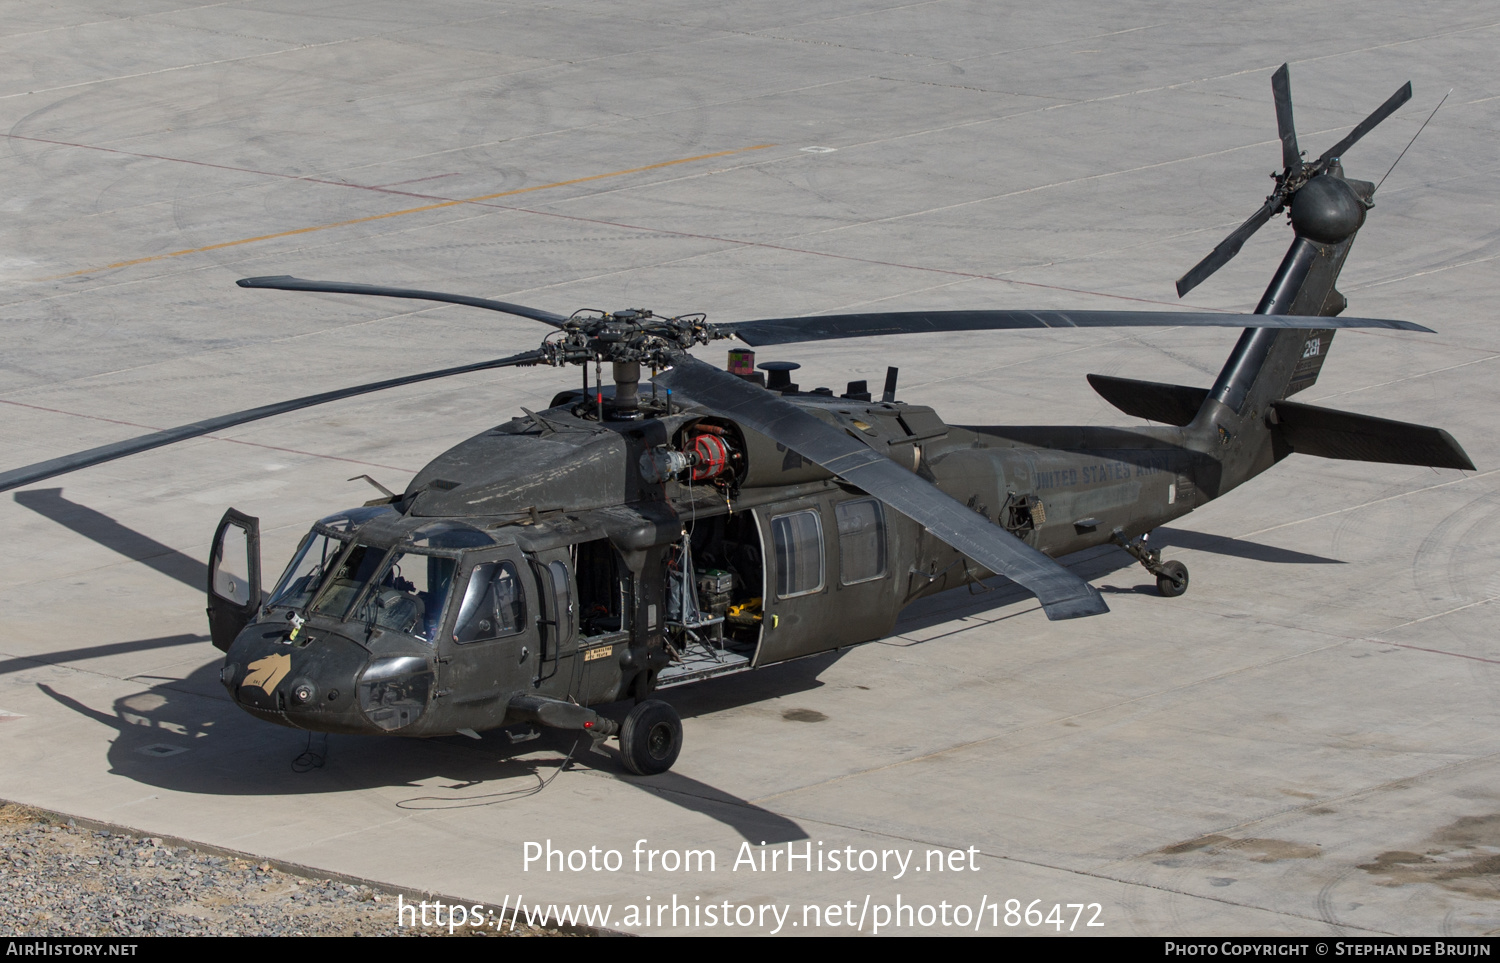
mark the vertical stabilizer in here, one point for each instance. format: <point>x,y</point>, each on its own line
<point>1269,364</point>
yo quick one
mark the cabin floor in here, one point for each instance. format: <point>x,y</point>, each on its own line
<point>704,654</point>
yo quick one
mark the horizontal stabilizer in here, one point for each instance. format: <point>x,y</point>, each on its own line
<point>1151,400</point>
<point>1326,433</point>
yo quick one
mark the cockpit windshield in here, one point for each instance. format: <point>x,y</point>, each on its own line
<point>345,584</point>
<point>392,589</point>
<point>318,553</point>
<point>401,591</point>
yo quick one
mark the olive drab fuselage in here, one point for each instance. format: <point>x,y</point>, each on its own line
<point>573,512</point>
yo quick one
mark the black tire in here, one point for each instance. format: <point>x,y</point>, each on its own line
<point>651,738</point>
<point>1173,580</point>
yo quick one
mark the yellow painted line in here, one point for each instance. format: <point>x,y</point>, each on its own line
<point>410,210</point>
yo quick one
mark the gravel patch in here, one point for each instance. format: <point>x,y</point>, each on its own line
<point>58,878</point>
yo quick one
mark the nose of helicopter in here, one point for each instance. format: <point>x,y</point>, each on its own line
<point>322,681</point>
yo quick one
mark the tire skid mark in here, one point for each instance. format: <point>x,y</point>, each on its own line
<point>1325,905</point>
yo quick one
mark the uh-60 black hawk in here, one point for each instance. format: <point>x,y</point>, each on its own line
<point>626,539</point>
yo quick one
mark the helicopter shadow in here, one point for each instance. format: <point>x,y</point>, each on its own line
<point>1166,539</point>
<point>99,528</point>
<point>185,735</point>
<point>65,656</point>
<point>753,823</point>
<point>1238,548</point>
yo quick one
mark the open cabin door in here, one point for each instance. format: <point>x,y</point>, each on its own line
<point>233,577</point>
<point>556,621</point>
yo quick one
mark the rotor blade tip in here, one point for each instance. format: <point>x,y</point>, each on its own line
<point>1076,608</point>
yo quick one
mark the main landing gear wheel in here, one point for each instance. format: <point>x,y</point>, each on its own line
<point>1172,580</point>
<point>1171,577</point>
<point>651,738</point>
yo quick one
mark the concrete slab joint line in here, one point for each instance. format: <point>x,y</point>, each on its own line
<point>410,210</point>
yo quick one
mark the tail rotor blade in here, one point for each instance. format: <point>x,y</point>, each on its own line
<point>1294,176</point>
<point>1368,124</point>
<point>1281,90</point>
<point>1227,248</point>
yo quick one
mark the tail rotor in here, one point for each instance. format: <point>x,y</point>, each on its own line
<point>1295,175</point>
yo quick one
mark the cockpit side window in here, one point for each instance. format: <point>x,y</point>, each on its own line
<point>410,594</point>
<point>493,605</point>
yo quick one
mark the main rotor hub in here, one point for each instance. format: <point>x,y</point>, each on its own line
<point>634,335</point>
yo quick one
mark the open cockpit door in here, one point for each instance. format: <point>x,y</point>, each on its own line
<point>233,577</point>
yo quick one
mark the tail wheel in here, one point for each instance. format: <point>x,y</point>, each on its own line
<point>1172,580</point>
<point>651,738</point>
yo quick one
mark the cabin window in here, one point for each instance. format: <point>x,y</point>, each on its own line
<point>799,553</point>
<point>861,541</point>
<point>492,605</point>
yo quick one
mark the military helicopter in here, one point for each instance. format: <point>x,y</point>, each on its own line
<point>624,540</point>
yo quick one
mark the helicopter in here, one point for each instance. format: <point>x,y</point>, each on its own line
<point>626,539</point>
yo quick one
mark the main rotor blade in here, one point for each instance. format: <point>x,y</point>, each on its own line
<point>1368,124</point>
<point>1063,595</point>
<point>827,327</point>
<point>1281,90</point>
<point>119,449</point>
<point>285,282</point>
<point>1227,248</point>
